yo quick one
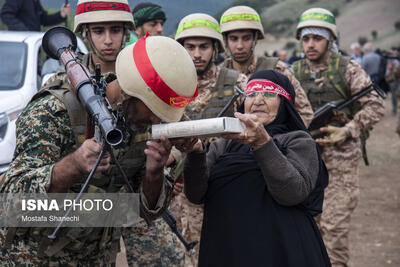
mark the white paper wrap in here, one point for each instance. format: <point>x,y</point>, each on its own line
<point>198,128</point>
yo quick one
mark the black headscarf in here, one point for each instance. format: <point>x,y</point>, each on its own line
<point>243,225</point>
<point>287,119</point>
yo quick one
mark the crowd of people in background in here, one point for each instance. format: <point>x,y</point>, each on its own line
<point>256,198</point>
<point>380,64</point>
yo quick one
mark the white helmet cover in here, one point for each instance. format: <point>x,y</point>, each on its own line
<point>317,17</point>
<point>160,72</point>
<point>241,18</point>
<point>89,11</point>
<point>200,25</point>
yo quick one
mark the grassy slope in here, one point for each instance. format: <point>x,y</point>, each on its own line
<point>362,17</point>
<point>357,18</point>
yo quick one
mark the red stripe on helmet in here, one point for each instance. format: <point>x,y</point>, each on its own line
<point>154,81</point>
<point>99,6</point>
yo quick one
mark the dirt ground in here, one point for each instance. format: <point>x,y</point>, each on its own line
<point>375,227</point>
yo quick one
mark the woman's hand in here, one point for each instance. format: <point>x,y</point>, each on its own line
<point>254,133</point>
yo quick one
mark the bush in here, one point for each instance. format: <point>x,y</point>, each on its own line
<point>335,12</point>
<point>397,25</point>
<point>290,45</point>
<point>374,34</point>
<point>362,40</point>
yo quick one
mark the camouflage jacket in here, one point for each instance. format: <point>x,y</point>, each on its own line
<point>206,84</point>
<point>301,104</point>
<point>44,136</point>
<point>372,109</point>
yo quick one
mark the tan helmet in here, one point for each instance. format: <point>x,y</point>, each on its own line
<point>240,18</point>
<point>317,17</point>
<point>89,11</point>
<point>158,71</point>
<point>200,25</point>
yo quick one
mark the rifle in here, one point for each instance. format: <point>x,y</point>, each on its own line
<point>231,101</point>
<point>324,114</point>
<point>60,43</point>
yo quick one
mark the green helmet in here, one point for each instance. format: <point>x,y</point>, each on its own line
<point>317,17</point>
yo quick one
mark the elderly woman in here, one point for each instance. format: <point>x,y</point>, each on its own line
<point>261,188</point>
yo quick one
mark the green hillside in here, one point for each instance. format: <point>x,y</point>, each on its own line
<point>356,20</point>
<point>281,19</point>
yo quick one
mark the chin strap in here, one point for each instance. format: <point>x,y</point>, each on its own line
<point>87,37</point>
<point>212,60</point>
<point>251,49</point>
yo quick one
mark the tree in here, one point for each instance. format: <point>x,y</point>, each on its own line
<point>290,45</point>
<point>397,25</point>
<point>362,40</point>
<point>374,34</point>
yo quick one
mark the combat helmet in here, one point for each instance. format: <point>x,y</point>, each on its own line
<point>240,18</point>
<point>158,71</point>
<point>317,17</point>
<point>199,25</point>
<point>88,11</point>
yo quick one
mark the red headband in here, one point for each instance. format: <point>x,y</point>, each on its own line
<point>98,6</point>
<point>263,85</point>
<point>154,81</point>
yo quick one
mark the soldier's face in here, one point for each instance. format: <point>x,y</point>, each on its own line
<point>200,50</point>
<point>315,47</point>
<point>138,115</point>
<point>107,38</point>
<point>240,44</point>
<point>153,27</point>
<point>264,107</point>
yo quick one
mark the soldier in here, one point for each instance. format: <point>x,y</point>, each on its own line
<point>201,36</point>
<point>149,18</point>
<point>393,76</point>
<point>51,153</point>
<point>326,77</point>
<point>157,245</point>
<point>241,27</point>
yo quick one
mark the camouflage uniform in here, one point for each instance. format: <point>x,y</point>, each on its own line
<point>189,215</point>
<point>45,135</point>
<point>302,104</point>
<point>342,162</point>
<point>155,246</point>
<point>395,76</point>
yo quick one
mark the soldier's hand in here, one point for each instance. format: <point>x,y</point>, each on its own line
<point>178,187</point>
<point>65,10</point>
<point>336,135</point>
<point>86,155</point>
<point>157,153</point>
<point>188,145</point>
